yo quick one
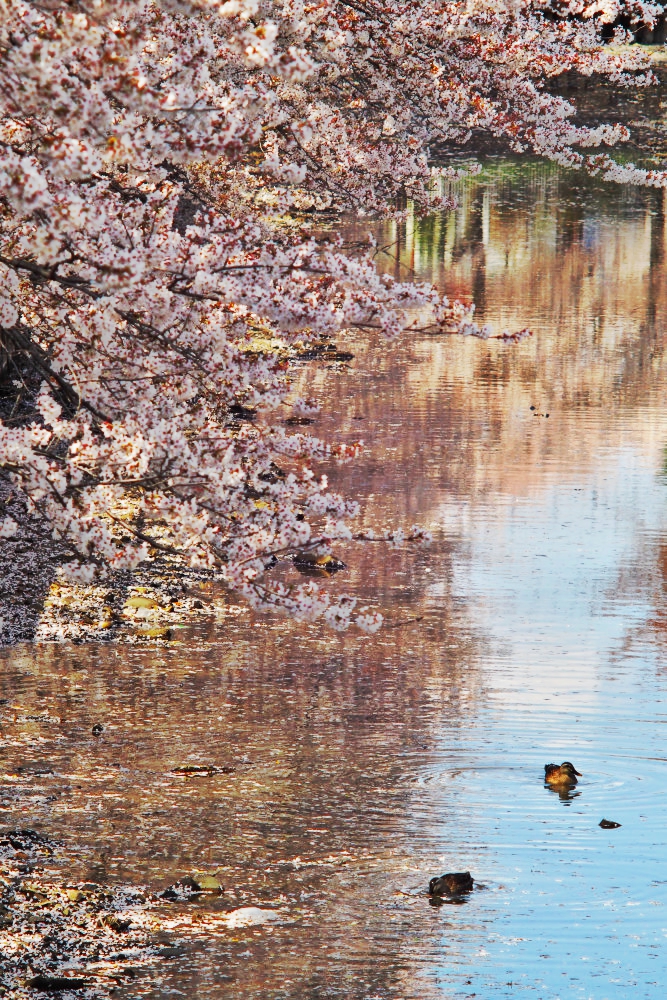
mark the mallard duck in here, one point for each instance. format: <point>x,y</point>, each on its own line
<point>451,884</point>
<point>561,774</point>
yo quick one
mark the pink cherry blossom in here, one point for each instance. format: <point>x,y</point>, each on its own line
<point>150,155</point>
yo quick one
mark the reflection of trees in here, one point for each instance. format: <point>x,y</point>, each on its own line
<point>331,731</point>
<point>644,578</point>
<point>583,265</point>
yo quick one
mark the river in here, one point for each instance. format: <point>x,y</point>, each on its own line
<point>357,767</point>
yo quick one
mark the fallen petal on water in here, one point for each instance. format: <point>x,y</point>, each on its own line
<point>250,916</point>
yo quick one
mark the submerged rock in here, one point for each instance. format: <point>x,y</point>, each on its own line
<point>116,923</point>
<point>208,883</point>
<point>56,983</point>
<point>191,885</point>
<point>26,840</point>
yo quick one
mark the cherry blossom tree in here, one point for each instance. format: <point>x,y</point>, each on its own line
<point>154,160</point>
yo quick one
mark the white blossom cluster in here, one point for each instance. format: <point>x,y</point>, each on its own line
<point>148,153</point>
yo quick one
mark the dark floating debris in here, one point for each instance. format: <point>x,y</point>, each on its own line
<point>403,622</point>
<point>299,421</point>
<point>181,890</point>
<point>323,352</point>
<point>188,887</point>
<point>561,774</point>
<point>311,563</point>
<point>194,769</point>
<point>451,884</point>
<point>97,729</point>
<point>240,412</point>
<point>116,923</point>
<point>54,984</point>
<point>26,840</point>
<point>608,824</point>
<point>273,474</point>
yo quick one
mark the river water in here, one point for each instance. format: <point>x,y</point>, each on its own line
<point>357,767</point>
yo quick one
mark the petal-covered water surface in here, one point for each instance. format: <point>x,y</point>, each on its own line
<point>323,779</point>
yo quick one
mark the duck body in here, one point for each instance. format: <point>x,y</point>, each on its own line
<point>451,884</point>
<point>561,774</point>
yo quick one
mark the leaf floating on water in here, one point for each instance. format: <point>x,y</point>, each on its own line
<point>608,824</point>
<point>208,883</point>
<point>141,602</point>
<point>159,632</point>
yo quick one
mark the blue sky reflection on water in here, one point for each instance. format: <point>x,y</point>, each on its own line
<point>558,570</point>
<point>583,912</point>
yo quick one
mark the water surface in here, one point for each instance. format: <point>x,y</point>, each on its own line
<point>358,767</point>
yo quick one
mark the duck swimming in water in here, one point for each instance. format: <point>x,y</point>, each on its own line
<point>561,774</point>
<point>451,884</point>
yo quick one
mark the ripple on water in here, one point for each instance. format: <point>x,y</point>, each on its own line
<point>350,770</point>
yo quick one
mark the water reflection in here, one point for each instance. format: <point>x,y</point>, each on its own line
<point>357,768</point>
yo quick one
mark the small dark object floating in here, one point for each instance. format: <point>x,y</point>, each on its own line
<point>195,769</point>
<point>273,474</point>
<point>608,824</point>
<point>451,884</point>
<point>97,729</point>
<point>116,923</point>
<point>25,840</point>
<point>56,983</point>
<point>299,421</point>
<point>240,412</point>
<point>180,890</point>
<point>324,352</point>
<point>310,563</point>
